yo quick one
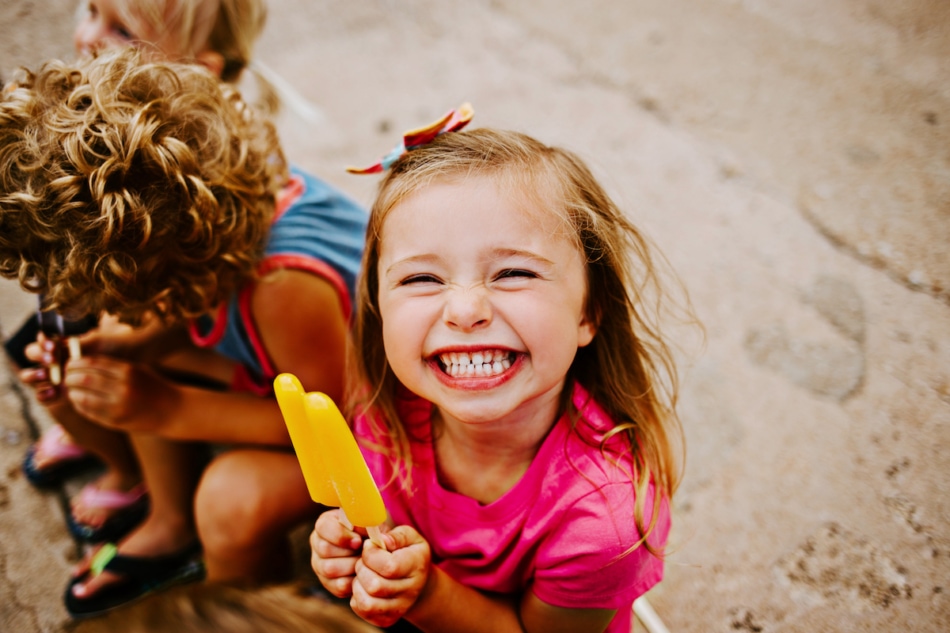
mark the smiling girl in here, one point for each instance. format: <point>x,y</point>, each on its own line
<point>513,397</point>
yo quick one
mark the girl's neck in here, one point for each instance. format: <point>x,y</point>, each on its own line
<point>485,461</point>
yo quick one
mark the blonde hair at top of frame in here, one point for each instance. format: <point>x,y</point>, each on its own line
<point>628,368</point>
<point>133,186</point>
<point>228,27</point>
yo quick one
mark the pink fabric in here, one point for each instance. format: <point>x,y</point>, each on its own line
<point>92,497</point>
<point>52,445</point>
<point>559,532</point>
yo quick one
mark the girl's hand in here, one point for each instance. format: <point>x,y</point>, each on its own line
<point>118,394</point>
<point>334,552</point>
<point>388,583</point>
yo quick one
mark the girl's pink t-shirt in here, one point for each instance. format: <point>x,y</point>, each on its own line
<point>560,532</point>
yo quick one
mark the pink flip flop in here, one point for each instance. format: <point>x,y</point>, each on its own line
<point>130,508</point>
<point>66,458</point>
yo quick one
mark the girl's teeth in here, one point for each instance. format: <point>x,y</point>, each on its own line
<point>485,363</point>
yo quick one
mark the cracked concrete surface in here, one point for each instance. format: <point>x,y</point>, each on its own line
<point>789,157</point>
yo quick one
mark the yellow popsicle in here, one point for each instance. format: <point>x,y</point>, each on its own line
<point>357,492</point>
<point>316,470</point>
<point>332,464</point>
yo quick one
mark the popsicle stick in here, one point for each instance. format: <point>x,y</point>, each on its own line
<point>374,534</point>
<point>75,349</point>
<point>376,537</point>
<point>645,613</point>
<point>55,373</point>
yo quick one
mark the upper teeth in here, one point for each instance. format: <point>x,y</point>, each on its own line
<point>484,363</point>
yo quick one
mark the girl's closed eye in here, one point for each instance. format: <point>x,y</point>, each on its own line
<point>515,278</point>
<point>420,278</point>
<point>516,272</point>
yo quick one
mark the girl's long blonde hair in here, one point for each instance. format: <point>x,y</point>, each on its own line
<point>628,368</point>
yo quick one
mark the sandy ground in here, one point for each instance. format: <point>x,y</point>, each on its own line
<point>789,157</point>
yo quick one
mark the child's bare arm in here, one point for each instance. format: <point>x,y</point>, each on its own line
<point>402,583</point>
<point>540,616</point>
<point>133,397</point>
<point>303,330</point>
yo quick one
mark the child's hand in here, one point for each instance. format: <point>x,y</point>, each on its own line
<point>388,583</point>
<point>334,552</point>
<point>112,338</point>
<point>43,351</point>
<point>118,394</point>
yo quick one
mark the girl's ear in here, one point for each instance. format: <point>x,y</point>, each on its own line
<point>212,60</point>
<point>586,330</point>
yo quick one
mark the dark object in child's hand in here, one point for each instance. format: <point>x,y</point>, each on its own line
<point>59,328</point>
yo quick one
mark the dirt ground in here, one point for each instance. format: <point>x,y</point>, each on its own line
<point>790,158</point>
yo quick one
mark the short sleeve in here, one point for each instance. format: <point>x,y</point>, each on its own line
<point>582,564</point>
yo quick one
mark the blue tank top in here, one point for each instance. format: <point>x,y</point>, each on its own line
<point>315,228</point>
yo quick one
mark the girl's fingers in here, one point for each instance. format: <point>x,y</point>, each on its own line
<point>332,530</point>
<point>325,549</point>
<point>368,602</point>
<point>332,568</point>
<point>401,537</point>
<point>339,587</point>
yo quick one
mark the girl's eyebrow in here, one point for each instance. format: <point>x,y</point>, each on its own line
<point>413,259</point>
<point>517,252</point>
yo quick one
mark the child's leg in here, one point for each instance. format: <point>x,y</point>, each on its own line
<point>247,503</point>
<point>171,471</point>
<point>122,468</point>
<point>112,447</point>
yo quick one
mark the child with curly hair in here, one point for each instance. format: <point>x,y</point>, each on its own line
<point>150,193</point>
<point>515,396</point>
<point>219,35</point>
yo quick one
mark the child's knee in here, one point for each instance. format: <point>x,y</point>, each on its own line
<point>230,504</point>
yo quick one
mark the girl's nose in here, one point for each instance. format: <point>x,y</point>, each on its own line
<point>468,309</point>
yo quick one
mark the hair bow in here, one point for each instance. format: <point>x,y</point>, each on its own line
<point>452,121</point>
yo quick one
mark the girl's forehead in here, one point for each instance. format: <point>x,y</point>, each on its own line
<point>533,198</point>
<point>476,208</point>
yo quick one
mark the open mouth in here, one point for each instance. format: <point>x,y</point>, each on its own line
<point>483,363</point>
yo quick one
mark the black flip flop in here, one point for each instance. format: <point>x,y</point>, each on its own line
<point>141,576</point>
<point>58,472</point>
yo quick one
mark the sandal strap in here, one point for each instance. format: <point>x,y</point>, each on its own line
<point>142,568</point>
<point>95,498</point>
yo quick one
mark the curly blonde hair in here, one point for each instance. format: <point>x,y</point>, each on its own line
<point>628,368</point>
<point>133,187</point>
